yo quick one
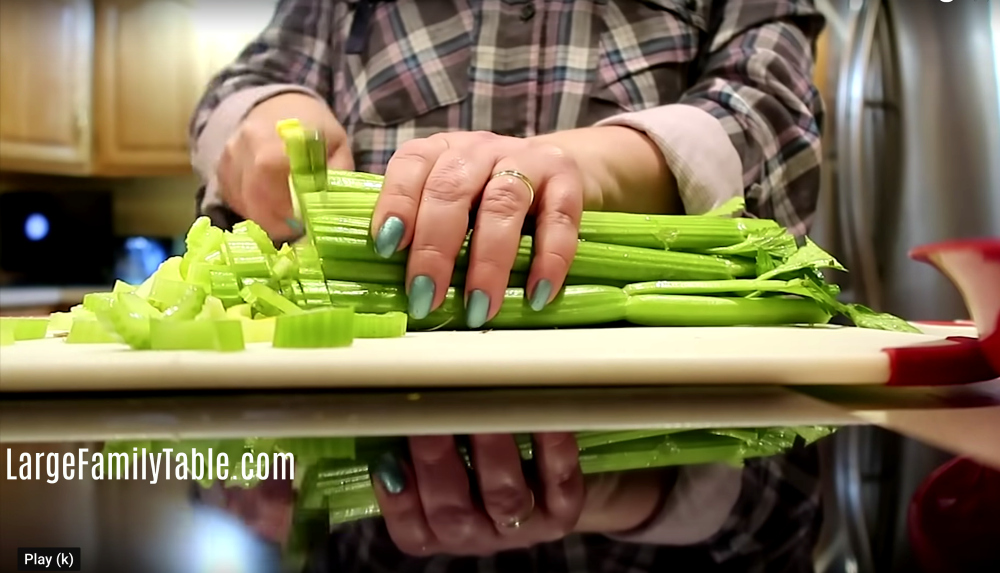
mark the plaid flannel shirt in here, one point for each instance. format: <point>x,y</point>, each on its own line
<point>723,87</point>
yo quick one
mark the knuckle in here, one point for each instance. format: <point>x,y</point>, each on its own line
<point>551,152</point>
<point>417,151</point>
<point>425,252</point>
<point>502,200</point>
<point>558,218</point>
<point>506,501</point>
<point>457,524</point>
<point>269,161</point>
<point>446,182</point>
<point>561,260</point>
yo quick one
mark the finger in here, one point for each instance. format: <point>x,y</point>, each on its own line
<point>445,494</point>
<point>505,493</point>
<point>558,462</point>
<point>557,226</point>
<point>399,502</point>
<point>442,223</point>
<point>396,210</point>
<point>265,190</point>
<point>229,177</point>
<point>341,158</point>
<point>497,234</point>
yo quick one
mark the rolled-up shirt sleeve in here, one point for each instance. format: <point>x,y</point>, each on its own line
<point>292,54</point>
<point>750,124</point>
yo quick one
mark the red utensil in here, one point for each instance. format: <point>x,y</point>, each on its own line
<point>973,266</point>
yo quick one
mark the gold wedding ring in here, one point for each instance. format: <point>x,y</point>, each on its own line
<point>523,178</point>
<point>517,522</point>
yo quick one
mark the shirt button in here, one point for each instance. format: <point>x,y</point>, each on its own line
<point>528,12</point>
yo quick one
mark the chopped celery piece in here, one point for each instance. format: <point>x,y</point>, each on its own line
<point>168,293</point>
<point>204,246</point>
<point>213,309</point>
<point>255,232</point>
<point>239,311</point>
<point>98,301</point>
<point>217,335</point>
<point>130,316</point>
<point>323,328</point>
<point>59,321</point>
<point>268,302</point>
<point>224,285</point>
<point>245,258</point>
<point>188,304</point>
<point>284,264</point>
<point>168,269</point>
<point>6,333</point>
<point>78,310</point>
<point>121,286</point>
<point>388,325</point>
<point>27,327</point>
<point>89,331</point>
<point>258,330</point>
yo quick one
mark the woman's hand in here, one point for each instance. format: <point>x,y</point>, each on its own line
<point>430,505</point>
<point>253,169</point>
<point>431,185</point>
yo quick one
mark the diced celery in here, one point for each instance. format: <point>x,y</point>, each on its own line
<point>258,330</point>
<point>239,311</point>
<point>89,331</point>
<point>60,321</point>
<point>27,328</point>
<point>323,328</point>
<point>6,333</point>
<point>130,317</point>
<point>213,309</point>
<point>267,301</point>
<point>388,325</point>
<point>216,335</point>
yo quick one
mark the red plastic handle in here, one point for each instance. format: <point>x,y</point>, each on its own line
<point>973,266</point>
<point>955,360</point>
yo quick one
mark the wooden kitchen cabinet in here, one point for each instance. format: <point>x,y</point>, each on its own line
<point>107,87</point>
<point>146,84</point>
<point>45,85</point>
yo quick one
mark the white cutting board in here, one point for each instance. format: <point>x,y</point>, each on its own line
<point>585,357</point>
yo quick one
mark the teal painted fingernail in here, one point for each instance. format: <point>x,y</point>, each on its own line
<point>389,472</point>
<point>540,297</point>
<point>294,225</point>
<point>478,309</point>
<point>421,296</point>
<point>388,237</point>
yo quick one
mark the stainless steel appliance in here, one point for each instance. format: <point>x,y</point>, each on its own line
<point>913,156</point>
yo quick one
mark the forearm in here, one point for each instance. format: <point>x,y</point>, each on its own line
<point>623,169</point>
<point>670,506</point>
<point>624,501</point>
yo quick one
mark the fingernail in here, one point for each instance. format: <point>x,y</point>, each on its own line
<point>389,472</point>
<point>477,309</point>
<point>540,297</point>
<point>294,225</point>
<point>421,296</point>
<point>388,237</point>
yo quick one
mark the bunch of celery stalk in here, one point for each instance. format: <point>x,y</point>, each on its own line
<point>236,287</point>
<point>333,483</point>
<point>233,288</point>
